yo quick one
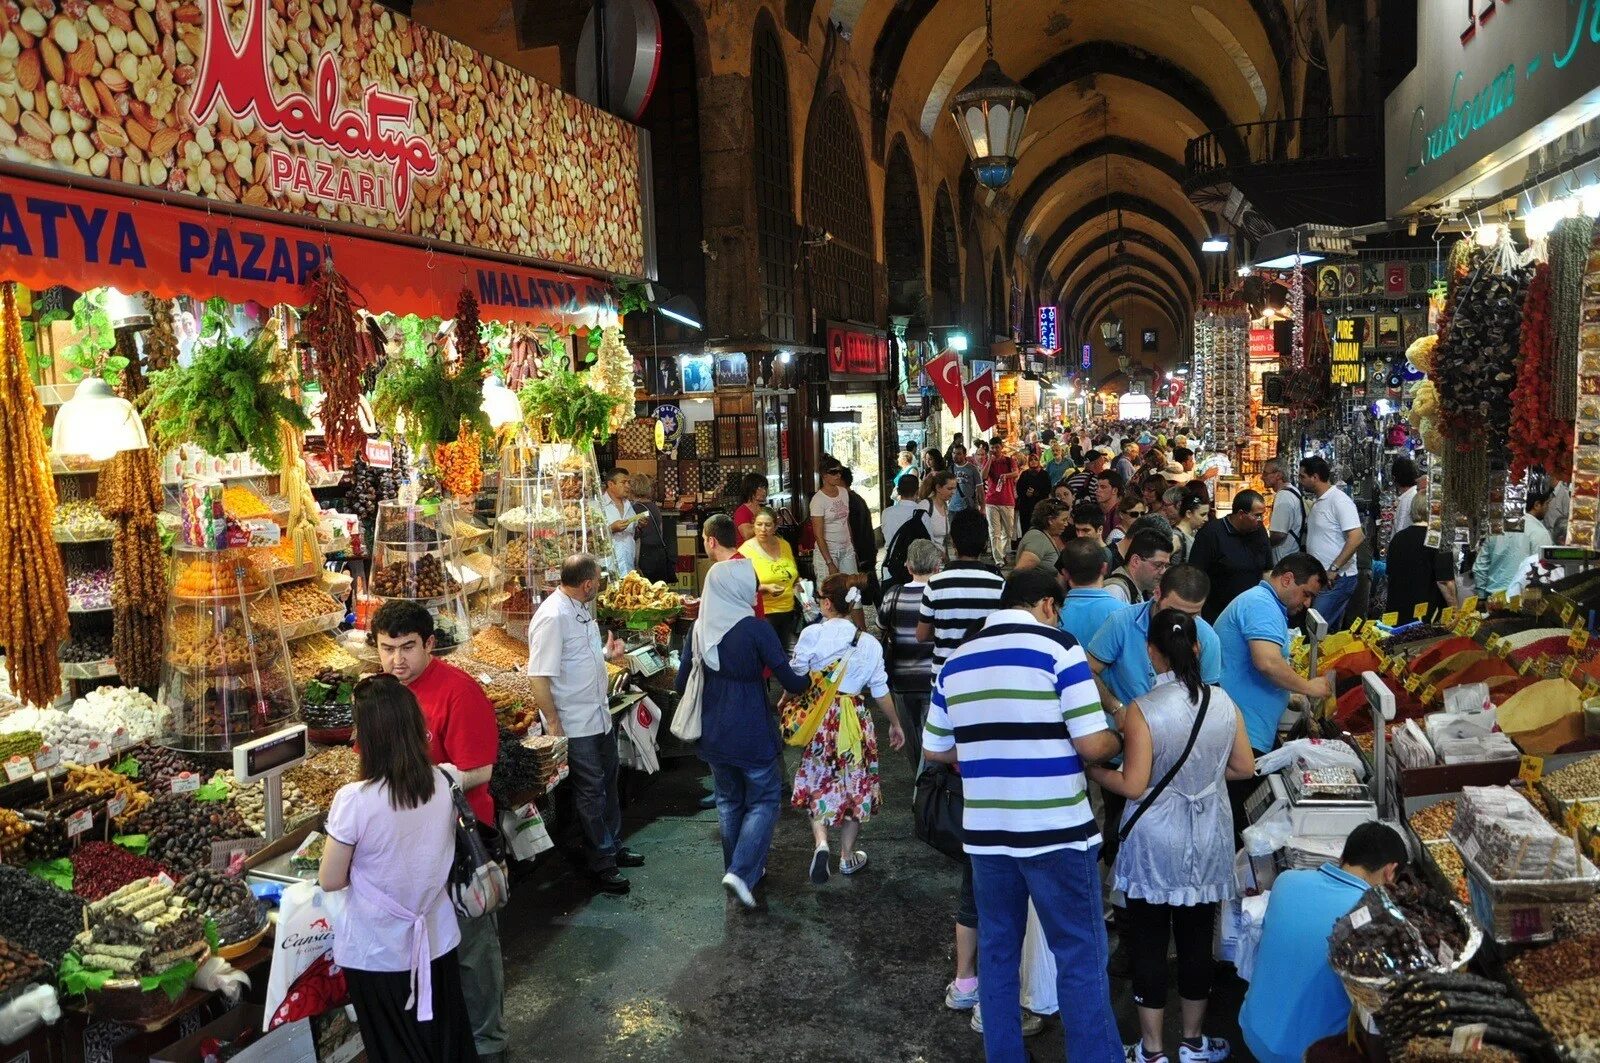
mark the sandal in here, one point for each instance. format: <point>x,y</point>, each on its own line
<point>819,867</point>
<point>850,867</point>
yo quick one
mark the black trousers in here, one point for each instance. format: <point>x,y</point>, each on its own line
<point>592,763</point>
<point>390,1031</point>
<point>1149,927</point>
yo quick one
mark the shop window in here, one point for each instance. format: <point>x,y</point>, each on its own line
<point>836,202</point>
<point>775,229</point>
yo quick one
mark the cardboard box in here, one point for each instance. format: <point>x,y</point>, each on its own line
<point>289,1043</point>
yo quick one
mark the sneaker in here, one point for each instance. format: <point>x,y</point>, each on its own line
<point>819,867</point>
<point>851,866</point>
<point>956,1000</point>
<point>1031,1023</point>
<point>735,885</point>
<point>1135,1053</point>
<point>1207,1050</point>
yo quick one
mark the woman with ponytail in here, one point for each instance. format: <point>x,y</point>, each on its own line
<point>1183,741</point>
<point>837,783</point>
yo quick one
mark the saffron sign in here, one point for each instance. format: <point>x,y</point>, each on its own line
<point>335,110</point>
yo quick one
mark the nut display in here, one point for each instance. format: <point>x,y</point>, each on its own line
<point>227,901</point>
<point>250,801</point>
<point>37,916</point>
<point>20,744</point>
<point>81,519</point>
<point>305,601</point>
<point>1434,822</point>
<point>423,578</point>
<point>1448,858</point>
<point>1577,780</point>
<point>181,830</point>
<point>320,777</point>
<point>319,653</point>
<point>497,649</point>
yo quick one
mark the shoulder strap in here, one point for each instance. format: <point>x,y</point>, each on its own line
<point>1122,577</point>
<point>1172,773</point>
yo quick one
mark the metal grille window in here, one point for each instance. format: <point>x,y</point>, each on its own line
<point>836,201</point>
<point>944,267</point>
<point>999,323</point>
<point>775,228</point>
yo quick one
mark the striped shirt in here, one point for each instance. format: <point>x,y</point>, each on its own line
<point>1010,702</point>
<point>966,591</point>
<point>1081,484</point>
<point>911,662</point>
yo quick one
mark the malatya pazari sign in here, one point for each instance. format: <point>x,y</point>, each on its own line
<point>328,109</point>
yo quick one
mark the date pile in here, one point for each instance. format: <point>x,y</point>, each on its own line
<point>49,820</point>
<point>181,830</point>
<point>141,929</point>
<point>1428,1006</point>
<point>226,901</point>
<point>36,915</point>
<point>18,967</point>
<point>1397,930</point>
<point>158,766</point>
<point>425,578</point>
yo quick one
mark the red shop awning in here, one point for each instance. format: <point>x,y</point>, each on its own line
<point>51,234</point>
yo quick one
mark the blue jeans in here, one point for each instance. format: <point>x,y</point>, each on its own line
<point>747,809</point>
<point>1064,885</point>
<point>592,763</point>
<point>1332,602</point>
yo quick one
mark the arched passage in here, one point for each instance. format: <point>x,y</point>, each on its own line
<point>944,265</point>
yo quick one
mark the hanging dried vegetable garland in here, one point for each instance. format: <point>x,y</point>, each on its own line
<point>460,463</point>
<point>1569,254</point>
<point>341,351</point>
<point>469,332</point>
<point>1539,436</point>
<point>161,341</point>
<point>130,494</point>
<point>33,620</point>
<point>524,359</point>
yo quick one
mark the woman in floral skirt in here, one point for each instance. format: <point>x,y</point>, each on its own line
<point>839,787</point>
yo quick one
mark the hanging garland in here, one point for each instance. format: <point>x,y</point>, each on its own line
<point>341,352</point>
<point>1569,255</point>
<point>612,375</point>
<point>161,341</point>
<point>130,494</point>
<point>33,622</point>
<point>1539,436</point>
<point>460,464</point>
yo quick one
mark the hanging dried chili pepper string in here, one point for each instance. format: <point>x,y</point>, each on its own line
<point>33,617</point>
<point>339,358</point>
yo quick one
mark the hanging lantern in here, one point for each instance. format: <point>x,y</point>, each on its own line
<point>991,113</point>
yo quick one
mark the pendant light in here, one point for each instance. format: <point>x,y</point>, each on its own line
<point>991,113</point>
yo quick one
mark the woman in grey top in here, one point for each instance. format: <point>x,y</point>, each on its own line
<point>1176,858</point>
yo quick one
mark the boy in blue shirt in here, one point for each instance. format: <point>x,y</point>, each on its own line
<point>1295,999</point>
<point>1083,563</point>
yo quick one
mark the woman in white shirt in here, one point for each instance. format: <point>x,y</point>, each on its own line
<point>830,525</point>
<point>937,490</point>
<point>837,786</point>
<point>391,841</point>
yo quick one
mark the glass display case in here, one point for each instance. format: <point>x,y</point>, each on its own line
<point>226,675</point>
<point>416,556</point>
<point>546,513</point>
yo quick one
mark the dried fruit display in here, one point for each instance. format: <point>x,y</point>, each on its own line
<point>319,778</point>
<point>318,653</point>
<point>161,341</point>
<point>1539,435</point>
<point>460,464</point>
<point>1568,244</point>
<point>1434,822</point>
<point>305,601</point>
<point>1475,366</point>
<point>227,901</point>
<point>103,782</point>
<point>424,578</point>
<point>130,495</point>
<point>612,374</point>
<point>341,352</point>
<point>181,829</point>
<point>1406,928</point>
<point>18,967</point>
<point>138,930</point>
<point>100,868</point>
<point>13,830</point>
<point>494,647</point>
<point>36,915</point>
<point>225,576</point>
<point>1429,1007</point>
<point>33,619</point>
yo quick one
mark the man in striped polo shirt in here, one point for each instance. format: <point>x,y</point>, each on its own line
<point>1016,709</point>
<point>964,594</point>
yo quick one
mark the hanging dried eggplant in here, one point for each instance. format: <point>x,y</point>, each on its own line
<point>340,357</point>
<point>161,341</point>
<point>33,622</point>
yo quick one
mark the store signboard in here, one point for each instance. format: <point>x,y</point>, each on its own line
<point>857,353</point>
<point>1493,82</point>
<point>339,111</point>
<point>1347,365</point>
<point>51,234</point>
<point>1088,357</point>
<point>1263,344</point>
<point>1049,338</point>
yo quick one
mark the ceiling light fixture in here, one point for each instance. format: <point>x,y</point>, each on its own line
<point>991,113</point>
<point>1214,245</point>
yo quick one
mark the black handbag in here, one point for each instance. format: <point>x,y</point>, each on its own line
<point>937,809</point>
<point>479,882</point>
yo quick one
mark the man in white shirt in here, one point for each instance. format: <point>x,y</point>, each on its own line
<point>905,504</point>
<point>1287,528</point>
<point>620,522</point>
<point>1406,481</point>
<point>567,663</point>
<point>1333,535</point>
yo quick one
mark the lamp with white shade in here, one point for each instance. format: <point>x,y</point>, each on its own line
<point>95,425</point>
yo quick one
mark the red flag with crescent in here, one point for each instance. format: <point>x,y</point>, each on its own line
<point>980,393</point>
<point>945,372</point>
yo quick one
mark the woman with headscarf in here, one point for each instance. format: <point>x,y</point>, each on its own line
<point>737,737</point>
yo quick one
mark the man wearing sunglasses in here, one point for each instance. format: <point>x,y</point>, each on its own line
<point>1234,551</point>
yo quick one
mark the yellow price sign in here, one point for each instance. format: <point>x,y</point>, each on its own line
<point>1515,601</point>
<point>1524,666</point>
<point>1413,682</point>
<point>1541,663</point>
<point>1531,769</point>
<point>1494,643</point>
<point>1594,847</point>
<point>1430,693</point>
<point>1571,818</point>
<point>1391,619</point>
<point>1569,666</point>
<point>1420,611</point>
<point>1448,616</point>
<point>1591,689</point>
<point>1497,599</point>
<point>1397,664</point>
<point>1355,628</point>
<point>1470,605</point>
<point>1579,638</point>
<point>1568,611</point>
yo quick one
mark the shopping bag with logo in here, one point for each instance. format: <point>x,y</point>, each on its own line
<point>304,980</point>
<point>804,715</point>
<point>526,835</point>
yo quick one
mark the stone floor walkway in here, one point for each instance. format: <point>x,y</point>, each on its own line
<point>852,971</point>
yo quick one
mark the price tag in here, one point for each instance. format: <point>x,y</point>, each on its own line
<point>1578,639</point>
<point>1497,600</point>
<point>185,782</point>
<point>1413,682</point>
<point>116,806</point>
<point>1569,666</point>
<point>1470,605</point>
<point>1420,611</point>
<point>1571,818</point>
<point>1568,611</point>
<point>1430,693</point>
<point>1591,689</point>
<point>79,822</point>
<point>1390,619</point>
<point>120,740</point>
<point>1515,601</point>
<point>1397,665</point>
<point>1447,955</point>
<point>46,758</point>
<point>1532,769</point>
<point>1469,849</point>
<point>1448,616</point>
<point>1524,666</point>
<point>1360,918</point>
<point>18,768</point>
<point>166,880</point>
<point>1494,644</point>
<point>1541,663</point>
<point>380,455</point>
<point>98,753</point>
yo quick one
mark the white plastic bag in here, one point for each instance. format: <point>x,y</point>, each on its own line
<point>1317,752</point>
<point>1269,834</point>
<point>526,834</point>
<point>1038,972</point>
<point>24,1012</point>
<point>304,980</point>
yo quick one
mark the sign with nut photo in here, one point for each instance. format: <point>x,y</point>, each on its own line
<point>339,110</point>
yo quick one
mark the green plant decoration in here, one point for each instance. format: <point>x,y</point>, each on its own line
<point>434,397</point>
<point>631,298</point>
<point>230,397</point>
<point>578,414</point>
<point>90,354</point>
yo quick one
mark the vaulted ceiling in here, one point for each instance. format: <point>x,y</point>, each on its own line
<point>1097,202</point>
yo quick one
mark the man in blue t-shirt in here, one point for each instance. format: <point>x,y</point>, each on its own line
<point>1295,999</point>
<point>1119,653</point>
<point>1083,564</point>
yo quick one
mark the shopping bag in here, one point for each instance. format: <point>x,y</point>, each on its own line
<point>848,744</point>
<point>304,980</point>
<point>805,713</point>
<point>526,835</point>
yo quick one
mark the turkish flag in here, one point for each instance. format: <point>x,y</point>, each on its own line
<point>945,372</point>
<point>980,393</point>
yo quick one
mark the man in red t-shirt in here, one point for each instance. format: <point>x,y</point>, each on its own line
<point>1000,499</point>
<point>465,740</point>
